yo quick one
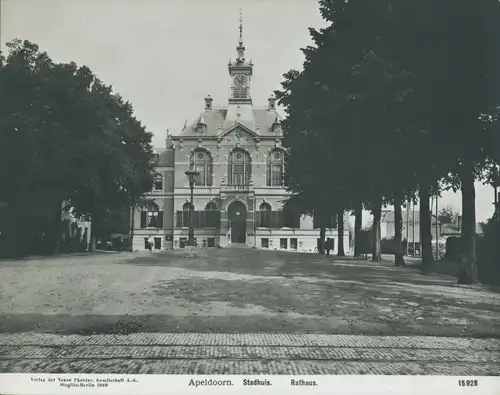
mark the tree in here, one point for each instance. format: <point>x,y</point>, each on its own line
<point>65,138</point>
<point>447,215</point>
<point>454,33</point>
<point>398,231</point>
<point>340,225</point>
<point>378,95</point>
<point>358,222</point>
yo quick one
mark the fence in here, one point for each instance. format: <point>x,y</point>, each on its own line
<point>201,219</point>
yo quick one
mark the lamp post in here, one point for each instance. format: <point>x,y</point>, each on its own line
<point>191,176</point>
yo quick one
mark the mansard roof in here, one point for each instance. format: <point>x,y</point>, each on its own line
<point>219,120</point>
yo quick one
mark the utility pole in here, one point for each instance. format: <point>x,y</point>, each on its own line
<point>413,229</point>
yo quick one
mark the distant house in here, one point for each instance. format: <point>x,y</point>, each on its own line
<point>74,228</point>
<point>450,230</point>
<point>411,226</point>
<point>454,229</point>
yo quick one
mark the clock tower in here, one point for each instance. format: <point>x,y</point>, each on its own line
<point>241,73</point>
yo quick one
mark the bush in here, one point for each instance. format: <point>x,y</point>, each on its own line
<point>365,242</point>
<point>388,246</point>
<point>487,252</point>
<point>453,248</point>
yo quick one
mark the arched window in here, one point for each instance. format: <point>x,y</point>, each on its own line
<point>201,161</point>
<point>211,206</point>
<point>212,218</point>
<point>275,168</point>
<point>153,213</point>
<point>240,168</point>
<point>152,217</point>
<point>158,182</point>
<point>265,207</point>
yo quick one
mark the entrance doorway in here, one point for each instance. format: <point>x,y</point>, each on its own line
<point>237,215</point>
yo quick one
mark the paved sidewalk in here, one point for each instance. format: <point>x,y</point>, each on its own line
<point>175,353</point>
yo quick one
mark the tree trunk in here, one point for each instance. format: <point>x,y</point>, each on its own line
<point>468,269</point>
<point>358,212</point>
<point>92,243</point>
<point>398,231</point>
<point>340,228</point>
<point>377,214</point>
<point>425,227</point>
<point>55,231</point>
<point>131,229</point>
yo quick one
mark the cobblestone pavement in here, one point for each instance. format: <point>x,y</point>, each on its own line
<point>167,353</point>
<point>238,290</point>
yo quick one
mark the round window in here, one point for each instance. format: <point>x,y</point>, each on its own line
<point>200,155</point>
<point>238,156</point>
<point>277,155</point>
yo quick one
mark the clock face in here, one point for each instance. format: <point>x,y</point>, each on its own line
<point>240,80</point>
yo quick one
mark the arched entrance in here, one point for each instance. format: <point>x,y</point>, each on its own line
<point>237,215</point>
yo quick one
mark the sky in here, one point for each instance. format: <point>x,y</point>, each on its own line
<point>165,56</point>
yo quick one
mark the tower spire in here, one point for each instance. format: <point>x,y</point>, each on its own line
<point>241,48</point>
<point>241,27</point>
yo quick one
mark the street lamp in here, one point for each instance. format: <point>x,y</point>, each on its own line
<point>191,175</point>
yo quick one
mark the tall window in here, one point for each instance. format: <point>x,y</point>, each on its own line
<point>212,215</point>
<point>158,182</point>
<point>240,167</point>
<point>201,161</point>
<point>152,217</point>
<point>275,168</point>
<point>265,215</point>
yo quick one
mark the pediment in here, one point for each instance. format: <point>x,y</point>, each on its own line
<point>238,135</point>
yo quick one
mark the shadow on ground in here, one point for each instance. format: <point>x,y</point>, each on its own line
<point>239,290</point>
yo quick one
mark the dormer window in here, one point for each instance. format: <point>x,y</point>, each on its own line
<point>276,126</point>
<point>201,126</point>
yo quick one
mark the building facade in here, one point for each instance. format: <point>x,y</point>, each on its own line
<point>239,194</point>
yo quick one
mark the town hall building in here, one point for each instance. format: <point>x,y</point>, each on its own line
<point>239,194</point>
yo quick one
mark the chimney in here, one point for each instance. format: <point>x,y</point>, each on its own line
<point>208,102</point>
<point>459,223</point>
<point>272,102</point>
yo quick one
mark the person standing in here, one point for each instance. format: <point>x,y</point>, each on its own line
<point>328,246</point>
<point>150,243</point>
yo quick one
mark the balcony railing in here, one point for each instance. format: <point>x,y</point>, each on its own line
<point>201,219</point>
<point>237,188</point>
